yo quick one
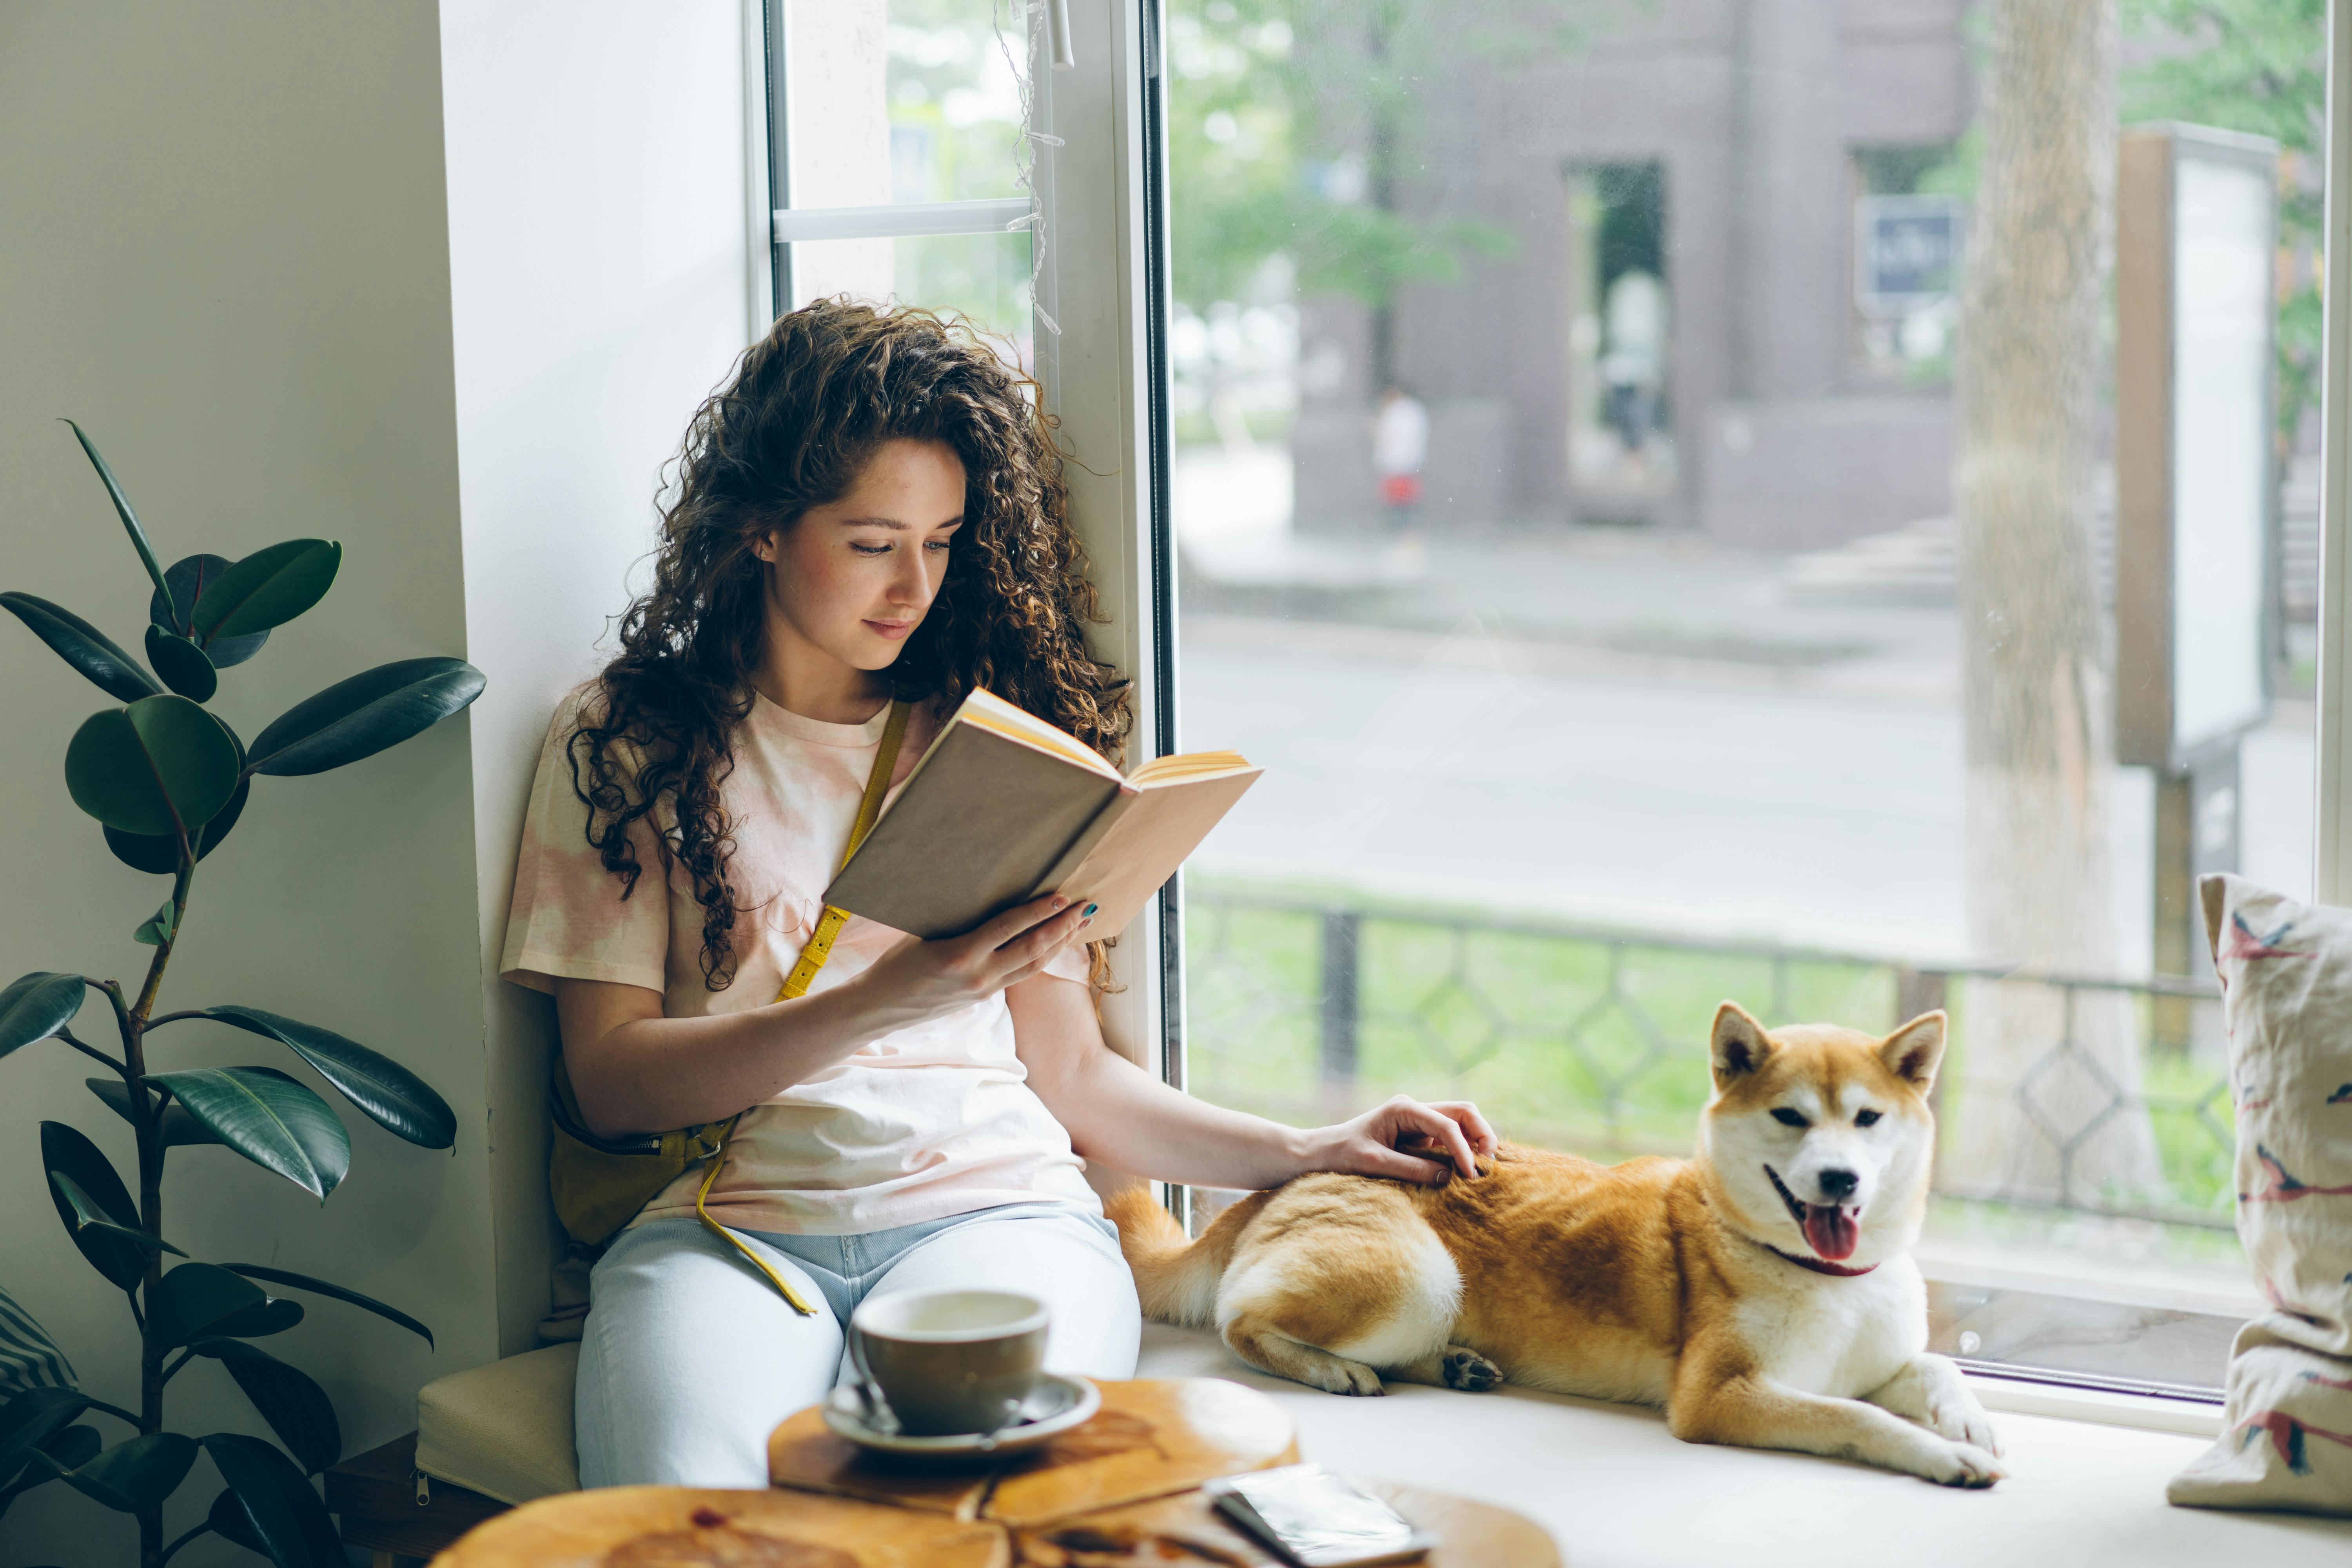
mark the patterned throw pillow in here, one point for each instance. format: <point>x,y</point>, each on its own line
<point>2286,984</point>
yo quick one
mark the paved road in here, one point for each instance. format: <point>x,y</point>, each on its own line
<point>1819,804</point>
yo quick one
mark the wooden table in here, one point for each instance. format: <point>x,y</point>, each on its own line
<point>1121,1491</point>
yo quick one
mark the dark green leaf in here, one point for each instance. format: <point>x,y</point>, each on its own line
<point>89,1216</point>
<point>137,1474</point>
<point>71,1449</point>
<point>181,664</point>
<point>296,1408</point>
<point>84,646</point>
<point>286,1516</point>
<point>162,855</point>
<point>66,1151</point>
<point>75,1447</point>
<point>179,1127</point>
<point>28,1421</point>
<point>194,1298</point>
<point>36,1005</point>
<point>122,509</point>
<point>233,1525</point>
<point>361,716</point>
<point>268,588</point>
<point>187,579</point>
<point>159,926</point>
<point>274,1316</point>
<point>159,766</point>
<point>270,1119</point>
<point>393,1098</point>
<point>305,1282</point>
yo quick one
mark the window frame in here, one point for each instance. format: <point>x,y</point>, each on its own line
<point>1101,283</point>
<point>2333,852</point>
<point>1104,201</point>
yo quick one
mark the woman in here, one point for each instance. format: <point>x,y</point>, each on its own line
<point>871,510</point>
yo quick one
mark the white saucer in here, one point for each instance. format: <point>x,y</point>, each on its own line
<point>1058,1403</point>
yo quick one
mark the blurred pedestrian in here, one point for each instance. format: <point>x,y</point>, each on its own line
<point>1400,449</point>
<point>1633,369</point>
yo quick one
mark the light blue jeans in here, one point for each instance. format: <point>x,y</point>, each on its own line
<point>689,1358</point>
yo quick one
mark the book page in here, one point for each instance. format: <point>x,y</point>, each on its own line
<point>1151,832</point>
<point>969,834</point>
<point>1190,764</point>
<point>992,712</point>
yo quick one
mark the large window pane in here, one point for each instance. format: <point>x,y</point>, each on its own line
<point>903,100</point>
<point>1586,512</point>
<point>982,277</point>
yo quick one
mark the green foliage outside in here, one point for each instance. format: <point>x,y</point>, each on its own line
<point>2260,67</point>
<point>167,779</point>
<point>1571,1041</point>
<point>1295,129</point>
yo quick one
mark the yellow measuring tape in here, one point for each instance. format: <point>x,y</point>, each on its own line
<point>813,952</point>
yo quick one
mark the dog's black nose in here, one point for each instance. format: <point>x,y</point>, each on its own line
<point>1836,1184</point>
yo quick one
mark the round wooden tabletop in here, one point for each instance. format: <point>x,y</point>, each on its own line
<point>1121,1491</point>
<point>688,1527</point>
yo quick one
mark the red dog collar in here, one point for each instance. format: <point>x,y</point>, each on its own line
<point>1819,1266</point>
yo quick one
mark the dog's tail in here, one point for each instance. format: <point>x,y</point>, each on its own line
<point>1177,1279</point>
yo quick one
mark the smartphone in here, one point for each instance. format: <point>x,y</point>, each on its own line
<point>1312,1519</point>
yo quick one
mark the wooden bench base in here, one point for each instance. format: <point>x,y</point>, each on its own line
<point>376,1499</point>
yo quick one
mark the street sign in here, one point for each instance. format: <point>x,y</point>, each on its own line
<point>2196,498</point>
<point>2196,224</point>
<point>1906,252</point>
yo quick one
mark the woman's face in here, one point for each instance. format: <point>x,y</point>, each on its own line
<point>853,578</point>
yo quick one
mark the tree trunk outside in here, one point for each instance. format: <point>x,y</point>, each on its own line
<point>2036,1105</point>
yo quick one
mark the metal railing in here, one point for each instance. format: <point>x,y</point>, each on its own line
<point>1306,1004</point>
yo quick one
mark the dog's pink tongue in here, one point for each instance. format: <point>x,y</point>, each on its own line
<point>1831,1231</point>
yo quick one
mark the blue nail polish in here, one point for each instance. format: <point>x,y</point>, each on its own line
<point>1087,910</point>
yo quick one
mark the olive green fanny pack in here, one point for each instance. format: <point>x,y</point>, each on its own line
<point>600,1183</point>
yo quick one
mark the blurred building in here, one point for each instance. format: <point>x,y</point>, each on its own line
<point>1722,306</point>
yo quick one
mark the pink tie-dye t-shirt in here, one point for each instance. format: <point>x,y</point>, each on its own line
<point>928,1121</point>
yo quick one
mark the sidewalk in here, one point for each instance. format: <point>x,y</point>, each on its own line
<point>1617,725</point>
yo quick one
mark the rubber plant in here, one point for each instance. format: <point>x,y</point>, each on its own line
<point>167,779</point>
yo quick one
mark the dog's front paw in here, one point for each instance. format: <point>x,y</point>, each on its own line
<point>1468,1371</point>
<point>1963,1421</point>
<point>1964,1465</point>
<point>1344,1377</point>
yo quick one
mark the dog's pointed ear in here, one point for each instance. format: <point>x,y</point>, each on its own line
<point>1738,1044</point>
<point>1914,1051</point>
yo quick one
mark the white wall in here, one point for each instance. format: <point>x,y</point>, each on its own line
<point>225,252</point>
<point>445,288</point>
<point>597,260</point>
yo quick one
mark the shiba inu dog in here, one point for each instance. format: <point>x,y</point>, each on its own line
<point>1759,1292</point>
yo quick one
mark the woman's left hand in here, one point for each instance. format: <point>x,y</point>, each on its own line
<point>1369,1145</point>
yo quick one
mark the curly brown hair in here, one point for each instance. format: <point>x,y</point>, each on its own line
<point>805,410</point>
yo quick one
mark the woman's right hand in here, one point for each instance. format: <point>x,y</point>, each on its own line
<point>917,980</point>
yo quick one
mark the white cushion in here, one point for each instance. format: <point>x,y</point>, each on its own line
<point>504,1429</point>
<point>1617,1490</point>
<point>2286,984</point>
<point>1607,1481</point>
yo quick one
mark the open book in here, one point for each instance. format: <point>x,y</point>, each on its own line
<point>1004,807</point>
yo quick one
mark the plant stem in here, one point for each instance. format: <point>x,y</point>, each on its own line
<point>116,1411</point>
<point>147,1123</point>
<point>183,1542</point>
<point>146,1002</point>
<point>92,1053</point>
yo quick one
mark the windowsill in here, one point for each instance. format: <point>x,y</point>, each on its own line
<point>2085,1484</point>
<point>2139,1411</point>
